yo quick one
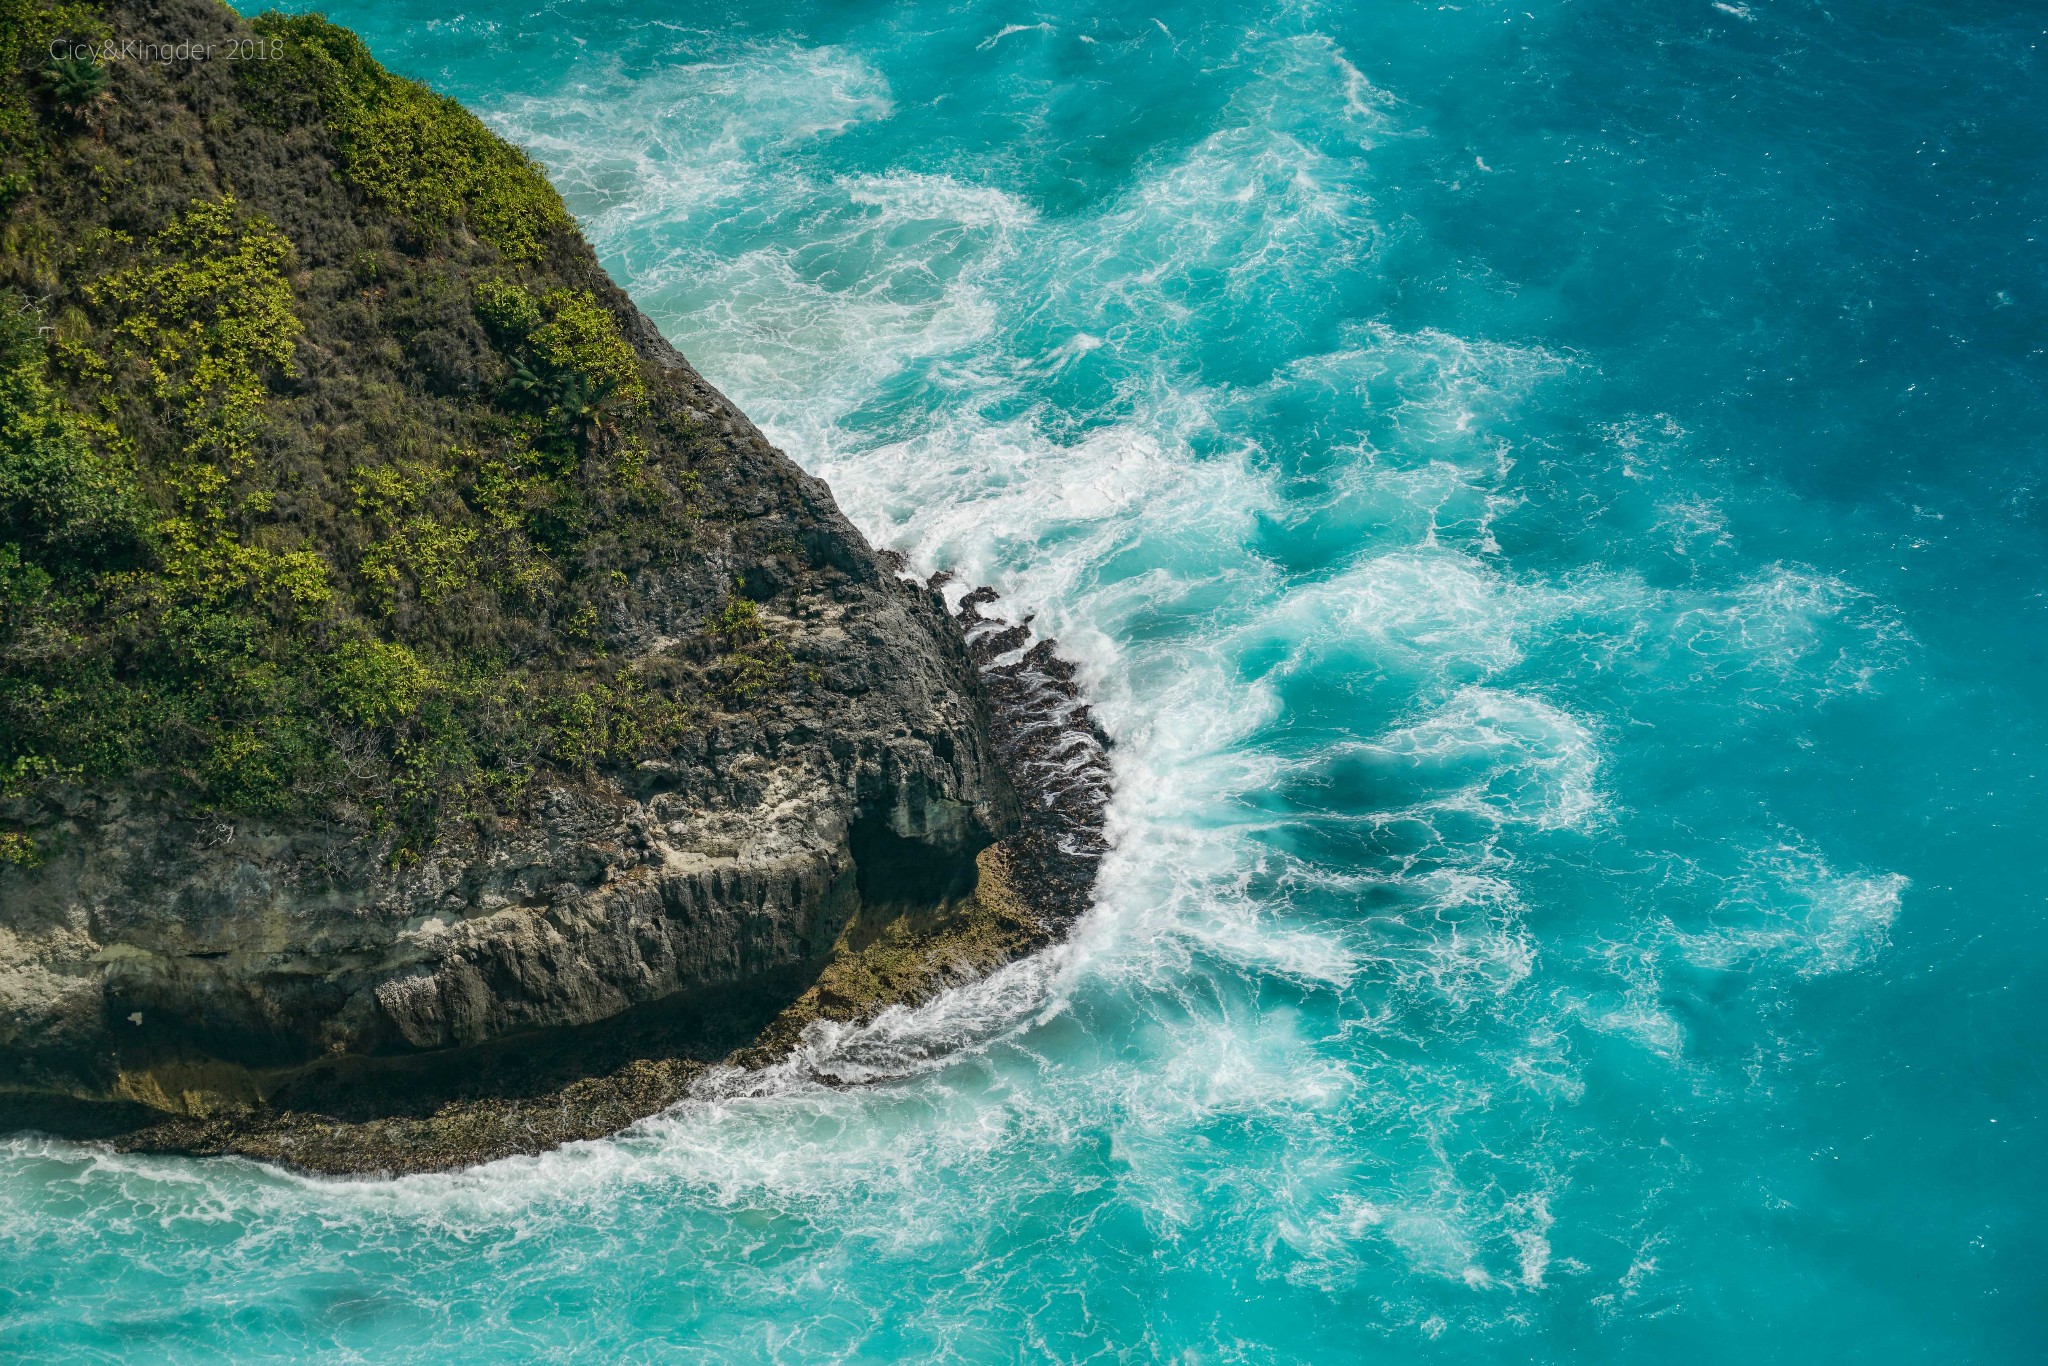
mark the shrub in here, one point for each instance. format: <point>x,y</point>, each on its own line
<point>592,722</point>
<point>209,313</point>
<point>738,623</point>
<point>18,850</point>
<point>378,682</point>
<point>62,503</point>
<point>755,662</point>
<point>508,309</point>
<point>412,546</point>
<point>564,342</point>
<point>81,87</point>
<point>582,337</point>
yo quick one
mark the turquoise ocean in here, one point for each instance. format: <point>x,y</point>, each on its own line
<point>1548,498</point>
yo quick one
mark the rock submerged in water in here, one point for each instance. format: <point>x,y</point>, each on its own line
<point>896,798</point>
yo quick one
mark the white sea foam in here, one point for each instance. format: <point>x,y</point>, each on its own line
<point>1503,757</point>
<point>1006,30</point>
<point>693,135</point>
<point>1129,546</point>
<point>1426,615</point>
<point>1329,1020</point>
<point>1790,906</point>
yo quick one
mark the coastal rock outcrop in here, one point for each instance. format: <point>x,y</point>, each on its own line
<point>436,722</point>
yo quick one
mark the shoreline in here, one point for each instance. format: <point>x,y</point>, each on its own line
<point>528,1094</point>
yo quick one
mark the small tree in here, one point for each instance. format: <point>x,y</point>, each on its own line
<point>581,404</point>
<point>82,87</point>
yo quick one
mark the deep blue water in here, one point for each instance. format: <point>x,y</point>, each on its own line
<point>1550,500</point>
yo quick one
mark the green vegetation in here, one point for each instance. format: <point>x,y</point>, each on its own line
<point>378,682</point>
<point>421,155</point>
<point>208,315</point>
<point>75,87</point>
<point>64,507</point>
<point>413,551</point>
<point>581,338</point>
<point>80,86</point>
<point>755,662</point>
<point>570,362</point>
<point>334,525</point>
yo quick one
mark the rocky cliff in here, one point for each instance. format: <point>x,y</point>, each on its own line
<point>434,723</point>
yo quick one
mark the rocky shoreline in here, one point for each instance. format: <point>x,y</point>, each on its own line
<point>524,1095</point>
<point>1031,887</point>
<point>1048,741</point>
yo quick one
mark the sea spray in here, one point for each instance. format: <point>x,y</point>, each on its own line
<point>1545,502</point>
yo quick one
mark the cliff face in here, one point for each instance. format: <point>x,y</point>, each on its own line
<point>421,694</point>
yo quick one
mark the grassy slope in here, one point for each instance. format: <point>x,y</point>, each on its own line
<point>328,480</point>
